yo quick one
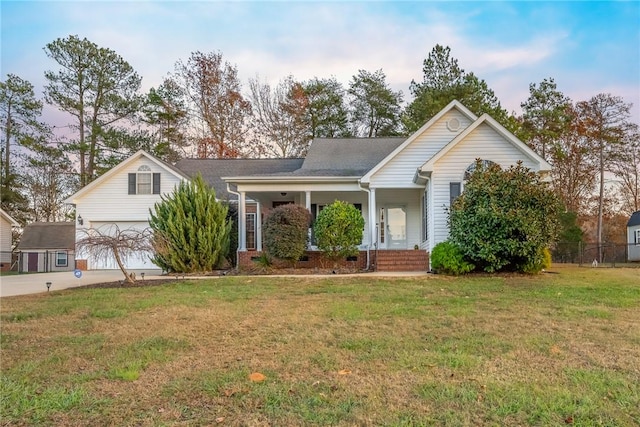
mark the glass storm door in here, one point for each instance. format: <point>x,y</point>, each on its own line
<point>396,227</point>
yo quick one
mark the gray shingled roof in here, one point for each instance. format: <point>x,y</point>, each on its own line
<point>213,169</point>
<point>48,235</point>
<point>326,157</point>
<point>346,156</point>
<point>634,220</point>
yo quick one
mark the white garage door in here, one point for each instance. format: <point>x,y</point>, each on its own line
<point>138,261</point>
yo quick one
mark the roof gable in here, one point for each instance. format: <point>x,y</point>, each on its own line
<point>8,218</point>
<point>634,219</point>
<point>453,104</point>
<point>119,167</point>
<point>491,122</point>
<point>48,235</point>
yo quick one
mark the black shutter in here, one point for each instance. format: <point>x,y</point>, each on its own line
<point>156,183</point>
<point>454,192</point>
<point>132,183</point>
<point>358,206</point>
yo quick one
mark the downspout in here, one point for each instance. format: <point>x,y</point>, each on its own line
<point>229,190</point>
<point>370,232</point>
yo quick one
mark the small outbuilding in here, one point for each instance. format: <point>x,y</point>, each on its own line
<point>46,247</point>
<point>633,237</point>
<point>6,239</point>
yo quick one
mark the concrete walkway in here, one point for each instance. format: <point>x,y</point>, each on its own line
<point>33,283</point>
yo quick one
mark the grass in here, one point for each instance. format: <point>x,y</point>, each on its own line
<point>514,350</point>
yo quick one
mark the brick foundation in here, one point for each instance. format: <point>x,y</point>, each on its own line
<point>391,260</point>
<point>311,259</point>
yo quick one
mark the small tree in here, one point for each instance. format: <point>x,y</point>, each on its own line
<point>191,229</point>
<point>505,219</point>
<point>286,232</point>
<point>108,242</point>
<point>338,230</point>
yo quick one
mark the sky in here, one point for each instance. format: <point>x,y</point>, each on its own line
<point>587,47</point>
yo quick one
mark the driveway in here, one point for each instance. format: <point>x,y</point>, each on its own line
<point>33,283</point>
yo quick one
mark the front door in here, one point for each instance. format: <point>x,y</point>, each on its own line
<point>394,233</point>
<point>32,263</point>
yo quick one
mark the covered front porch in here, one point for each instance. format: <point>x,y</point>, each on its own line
<point>394,237</point>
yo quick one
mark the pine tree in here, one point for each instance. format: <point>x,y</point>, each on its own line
<point>191,229</point>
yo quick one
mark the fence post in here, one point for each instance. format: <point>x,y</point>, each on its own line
<point>580,253</point>
<point>615,253</point>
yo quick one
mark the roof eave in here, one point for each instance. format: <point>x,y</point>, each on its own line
<point>292,179</point>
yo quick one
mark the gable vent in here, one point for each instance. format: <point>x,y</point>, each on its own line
<point>453,124</point>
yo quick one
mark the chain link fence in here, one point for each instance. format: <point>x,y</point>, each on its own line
<point>606,254</point>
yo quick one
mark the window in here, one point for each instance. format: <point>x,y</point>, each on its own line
<point>425,215</point>
<point>62,259</point>
<point>251,230</point>
<point>144,182</point>
<point>454,191</point>
<point>382,224</point>
<point>637,237</point>
<point>484,165</point>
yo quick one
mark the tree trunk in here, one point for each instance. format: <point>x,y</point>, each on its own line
<point>127,277</point>
<point>7,136</point>
<point>600,204</point>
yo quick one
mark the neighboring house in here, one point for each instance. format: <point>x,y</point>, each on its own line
<point>46,247</point>
<point>633,237</point>
<point>402,186</point>
<point>6,241</point>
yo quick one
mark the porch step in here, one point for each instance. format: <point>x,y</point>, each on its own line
<point>402,260</point>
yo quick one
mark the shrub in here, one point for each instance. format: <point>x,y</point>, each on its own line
<point>504,219</point>
<point>447,258</point>
<point>538,263</point>
<point>286,232</point>
<point>338,230</point>
<point>191,229</point>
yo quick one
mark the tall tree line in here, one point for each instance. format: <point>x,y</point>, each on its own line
<point>201,109</point>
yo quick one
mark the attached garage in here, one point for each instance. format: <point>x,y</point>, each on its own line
<point>140,260</point>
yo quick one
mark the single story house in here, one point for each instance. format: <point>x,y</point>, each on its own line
<point>633,237</point>
<point>47,247</point>
<point>6,239</point>
<point>403,186</point>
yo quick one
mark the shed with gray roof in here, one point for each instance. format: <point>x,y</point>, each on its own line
<point>47,246</point>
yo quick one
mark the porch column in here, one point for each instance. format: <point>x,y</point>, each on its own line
<point>258,228</point>
<point>307,204</point>
<point>373,236</point>
<point>242,222</point>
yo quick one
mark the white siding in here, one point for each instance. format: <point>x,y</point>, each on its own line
<point>634,248</point>
<point>484,143</point>
<point>110,200</point>
<point>5,241</point>
<point>400,170</point>
<point>109,203</point>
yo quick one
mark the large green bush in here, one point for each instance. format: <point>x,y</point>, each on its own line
<point>338,230</point>
<point>191,229</point>
<point>286,232</point>
<point>505,219</point>
<point>447,258</point>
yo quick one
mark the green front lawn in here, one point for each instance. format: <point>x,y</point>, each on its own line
<point>554,349</point>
